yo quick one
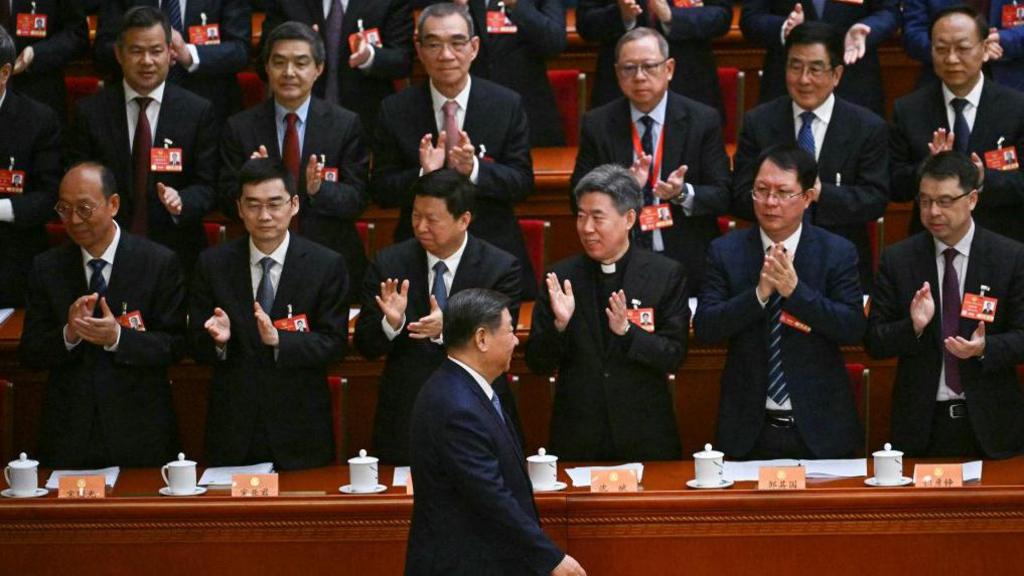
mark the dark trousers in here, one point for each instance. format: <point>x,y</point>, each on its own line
<point>952,436</point>
<point>779,441</point>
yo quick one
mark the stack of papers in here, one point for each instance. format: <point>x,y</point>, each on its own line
<point>109,476</point>
<point>401,476</point>
<point>5,313</point>
<point>972,471</point>
<point>581,476</point>
<point>749,471</point>
<point>222,476</point>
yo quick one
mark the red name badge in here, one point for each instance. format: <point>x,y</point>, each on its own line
<point>642,317</point>
<point>498,23</point>
<point>297,323</point>
<point>329,174</point>
<point>132,321</point>
<point>371,37</point>
<point>687,3</point>
<point>654,217</point>
<point>977,307</point>
<point>1002,158</point>
<point>205,35</point>
<point>165,160</point>
<point>31,25</point>
<point>1013,15</point>
<point>12,181</point>
<point>793,322</point>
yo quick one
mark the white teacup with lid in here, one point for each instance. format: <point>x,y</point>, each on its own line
<point>22,476</point>
<point>543,469</point>
<point>888,466</point>
<point>180,475</point>
<point>362,471</point>
<point>709,466</point>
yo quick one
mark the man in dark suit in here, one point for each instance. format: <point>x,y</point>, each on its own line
<point>469,124</point>
<point>689,26</point>
<point>359,78</point>
<point>268,310</point>
<point>44,53</point>
<point>29,149</point>
<point>865,24</point>
<point>956,391</point>
<point>134,126</point>
<point>966,112</point>
<point>404,293</point>
<point>611,401</point>
<point>324,150</point>
<point>203,65</point>
<point>786,297</point>
<point>473,512</point>
<point>679,159</point>
<point>849,142</point>
<point>108,400</point>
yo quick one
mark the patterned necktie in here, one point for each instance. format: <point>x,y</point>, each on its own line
<point>438,290</point>
<point>265,292</point>
<point>951,319</point>
<point>172,8</point>
<point>333,41</point>
<point>776,378</point>
<point>451,128</point>
<point>647,145</point>
<point>97,285</point>
<point>961,131</point>
<point>805,138</point>
<point>496,402</point>
<point>142,145</point>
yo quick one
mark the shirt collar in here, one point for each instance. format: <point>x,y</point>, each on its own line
<point>277,255</point>
<point>3,98</point>
<point>823,112</point>
<point>108,254</point>
<point>973,97</point>
<point>157,94</point>
<point>302,111</point>
<point>963,246</point>
<point>658,113</point>
<point>452,262</point>
<point>476,376</point>
<point>789,244</point>
<point>462,98</point>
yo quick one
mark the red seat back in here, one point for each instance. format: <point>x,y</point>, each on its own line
<point>78,87</point>
<point>215,233</point>
<point>566,84</point>
<point>254,90</point>
<point>731,83</point>
<point>535,234</point>
<point>368,234</point>
<point>56,233</point>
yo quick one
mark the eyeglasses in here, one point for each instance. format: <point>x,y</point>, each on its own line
<point>764,195</point>
<point>814,69</point>
<point>944,202</point>
<point>435,47</point>
<point>630,70</point>
<point>960,50</point>
<point>65,209</point>
<point>274,206</point>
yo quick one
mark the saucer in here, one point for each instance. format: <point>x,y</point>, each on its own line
<point>9,493</point>
<point>553,488</point>
<point>348,489</point>
<point>166,491</point>
<point>723,484</point>
<point>904,481</point>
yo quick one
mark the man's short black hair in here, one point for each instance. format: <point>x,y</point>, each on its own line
<point>469,310</point>
<point>614,181</point>
<point>260,170</point>
<point>458,193</point>
<point>443,10</point>
<point>950,164</point>
<point>814,32</point>
<point>143,17</point>
<point>294,31</point>
<point>980,22</point>
<point>108,182</point>
<point>790,157</point>
<point>8,53</point>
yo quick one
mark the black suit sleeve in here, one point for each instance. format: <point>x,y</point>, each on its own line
<point>347,197</point>
<point>890,329</point>
<point>665,348</point>
<point>79,145</point>
<point>702,23</point>
<point>328,335</point>
<point>711,196</point>
<point>510,177</point>
<point>54,53</point>
<point>599,20</point>
<point>759,25</point>
<point>903,179</point>
<point>510,283</point>
<point>541,24</point>
<point>721,315</point>
<point>838,312</point>
<point>199,198</point>
<point>200,309</point>
<point>232,156</point>
<point>35,206</point>
<point>163,341</point>
<point>232,54</point>
<point>391,181</point>
<point>1003,189</point>
<point>866,198</point>
<point>394,58</point>
<point>42,338</point>
<point>1006,349</point>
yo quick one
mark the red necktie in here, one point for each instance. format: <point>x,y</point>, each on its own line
<point>291,146</point>
<point>143,143</point>
<point>451,128</point>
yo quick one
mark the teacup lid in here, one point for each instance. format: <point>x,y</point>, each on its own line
<point>708,453</point>
<point>363,459</point>
<point>181,461</point>
<point>542,457</point>
<point>888,452</point>
<point>23,462</point>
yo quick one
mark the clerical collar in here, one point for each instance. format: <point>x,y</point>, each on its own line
<point>620,263</point>
<point>608,268</point>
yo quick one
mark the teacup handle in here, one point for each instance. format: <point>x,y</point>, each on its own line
<point>7,474</point>
<point>163,472</point>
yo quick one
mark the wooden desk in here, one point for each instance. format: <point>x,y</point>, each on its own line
<point>836,527</point>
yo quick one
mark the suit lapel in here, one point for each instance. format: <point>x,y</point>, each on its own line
<point>924,269</point>
<point>419,288</point>
<point>241,284</point>
<point>316,10</point>
<point>118,127</point>
<point>987,122</point>
<point>938,110</point>
<point>833,146</point>
<point>74,271</point>
<point>423,115</point>
<point>621,130</point>
<point>978,269</point>
<point>677,126</point>
<point>500,421</point>
<point>166,120</point>
<point>782,126</point>
<point>466,275</point>
<point>124,274</point>
<point>266,129</point>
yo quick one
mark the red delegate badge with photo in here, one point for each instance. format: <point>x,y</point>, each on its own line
<point>642,317</point>
<point>31,25</point>
<point>165,160</point>
<point>979,307</point>
<point>1013,15</point>
<point>12,181</point>
<point>793,322</point>
<point>204,35</point>
<point>1002,159</point>
<point>132,321</point>
<point>687,3</point>
<point>371,37</point>
<point>499,23</point>
<point>655,216</point>
<point>297,323</point>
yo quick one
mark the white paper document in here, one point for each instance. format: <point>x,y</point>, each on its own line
<point>401,476</point>
<point>581,476</point>
<point>5,313</point>
<point>222,476</point>
<point>352,313</point>
<point>749,471</point>
<point>109,476</point>
<point>972,471</point>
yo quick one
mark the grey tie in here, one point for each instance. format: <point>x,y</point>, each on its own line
<point>265,292</point>
<point>438,290</point>
<point>496,402</point>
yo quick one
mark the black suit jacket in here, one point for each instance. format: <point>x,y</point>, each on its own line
<point>1000,206</point>
<point>694,138</point>
<point>855,147</point>
<point>827,298</point>
<point>995,402</point>
<point>360,91</point>
<point>288,396</point>
<point>100,133</point>
<point>495,120</point>
<point>67,35</point>
<point>30,133</point>
<point>126,393</point>
<point>410,361</point>
<point>329,216</point>
<point>621,386</point>
<point>689,43</point>
<point>214,79</point>
<point>473,512</point>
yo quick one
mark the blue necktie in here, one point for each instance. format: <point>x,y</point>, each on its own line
<point>961,131</point>
<point>265,292</point>
<point>776,378</point>
<point>805,138</point>
<point>172,8</point>
<point>496,402</point>
<point>819,7</point>
<point>96,283</point>
<point>438,290</point>
<point>333,42</point>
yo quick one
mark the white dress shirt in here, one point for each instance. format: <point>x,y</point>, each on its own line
<point>108,257</point>
<point>970,110</point>
<point>819,126</point>
<point>963,248</point>
<point>462,99</point>
<point>452,263</point>
<point>480,380</point>
<point>152,113</point>
<point>790,245</point>
<point>256,269</point>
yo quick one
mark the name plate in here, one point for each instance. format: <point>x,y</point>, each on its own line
<point>938,475</point>
<point>619,480</point>
<point>82,487</point>
<point>253,485</point>
<point>782,478</point>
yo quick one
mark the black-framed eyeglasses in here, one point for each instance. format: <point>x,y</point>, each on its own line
<point>630,70</point>
<point>944,202</point>
<point>65,209</point>
<point>782,197</point>
<point>814,69</point>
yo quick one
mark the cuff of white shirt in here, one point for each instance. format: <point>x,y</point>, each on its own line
<point>390,332</point>
<point>687,201</point>
<point>439,340</point>
<point>782,34</point>
<point>195,57</point>
<point>365,66</point>
<point>117,341</point>
<point>6,210</point>
<point>629,24</point>
<point>764,302</point>
<point>475,174</point>
<point>222,353</point>
<point>68,344</point>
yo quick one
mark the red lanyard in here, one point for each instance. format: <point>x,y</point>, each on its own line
<point>655,171</point>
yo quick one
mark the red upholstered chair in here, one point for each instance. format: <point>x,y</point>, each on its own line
<point>368,234</point>
<point>215,233</point>
<point>876,233</point>
<point>726,225</point>
<point>78,87</point>
<point>860,384</point>
<point>254,90</point>
<point>536,233</point>
<point>570,88</point>
<point>56,233</point>
<point>339,390</point>
<point>732,83</point>
<point>6,421</point>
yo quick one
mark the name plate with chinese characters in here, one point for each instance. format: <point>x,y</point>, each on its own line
<point>938,475</point>
<point>610,481</point>
<point>782,478</point>
<point>253,485</point>
<point>82,487</point>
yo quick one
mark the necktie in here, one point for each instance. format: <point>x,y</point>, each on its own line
<point>805,138</point>
<point>291,145</point>
<point>647,145</point>
<point>951,319</point>
<point>438,290</point>
<point>97,284</point>
<point>265,292</point>
<point>819,7</point>
<point>142,144</point>
<point>451,128</point>
<point>776,378</point>
<point>172,8</point>
<point>496,402</point>
<point>333,41</point>
<point>961,131</point>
